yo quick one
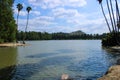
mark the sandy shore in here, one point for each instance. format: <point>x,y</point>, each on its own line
<point>12,44</point>
<point>112,74</point>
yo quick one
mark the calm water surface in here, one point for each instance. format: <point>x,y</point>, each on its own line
<point>48,60</point>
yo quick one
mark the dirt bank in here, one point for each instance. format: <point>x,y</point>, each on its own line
<point>112,74</point>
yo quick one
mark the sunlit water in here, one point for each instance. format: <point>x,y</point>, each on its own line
<point>48,60</point>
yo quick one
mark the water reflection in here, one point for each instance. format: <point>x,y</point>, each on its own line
<point>46,61</point>
<point>8,60</point>
<point>7,73</point>
<point>113,55</point>
<point>26,71</point>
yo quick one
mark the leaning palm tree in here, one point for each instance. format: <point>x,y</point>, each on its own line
<point>28,9</point>
<point>100,2</point>
<point>19,7</point>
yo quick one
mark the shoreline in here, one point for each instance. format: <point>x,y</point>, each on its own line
<point>113,73</point>
<point>116,48</point>
<point>12,44</point>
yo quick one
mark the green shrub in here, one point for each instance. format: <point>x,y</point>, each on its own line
<point>1,40</point>
<point>111,39</point>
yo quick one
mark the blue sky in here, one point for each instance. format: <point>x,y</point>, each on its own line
<point>62,16</point>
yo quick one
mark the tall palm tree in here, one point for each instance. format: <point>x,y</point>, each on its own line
<point>100,2</point>
<point>28,9</point>
<point>19,7</point>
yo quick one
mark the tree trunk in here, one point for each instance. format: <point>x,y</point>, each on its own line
<point>105,18</point>
<point>113,17</point>
<point>17,28</point>
<point>110,16</point>
<point>26,29</point>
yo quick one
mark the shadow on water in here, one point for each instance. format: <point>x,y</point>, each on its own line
<point>23,72</point>
<point>7,73</point>
<point>8,60</point>
<point>10,70</point>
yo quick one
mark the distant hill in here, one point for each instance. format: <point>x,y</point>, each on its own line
<point>79,32</point>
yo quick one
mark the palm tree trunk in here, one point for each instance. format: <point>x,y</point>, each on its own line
<point>105,18</point>
<point>114,22</point>
<point>117,11</point>
<point>17,18</point>
<point>27,22</point>
<point>17,28</point>
<point>110,16</point>
<point>26,29</point>
<point>117,15</point>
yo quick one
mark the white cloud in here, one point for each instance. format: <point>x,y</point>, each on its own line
<point>57,3</point>
<point>22,13</point>
<point>67,13</point>
<point>37,13</point>
<point>47,18</point>
<point>36,23</point>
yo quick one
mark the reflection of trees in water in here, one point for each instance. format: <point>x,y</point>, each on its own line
<point>25,71</point>
<point>7,73</point>
<point>8,60</point>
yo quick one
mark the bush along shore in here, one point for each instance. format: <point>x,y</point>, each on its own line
<point>111,39</point>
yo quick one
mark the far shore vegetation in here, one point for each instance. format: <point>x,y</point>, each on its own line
<point>76,35</point>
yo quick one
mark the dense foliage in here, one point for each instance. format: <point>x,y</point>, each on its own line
<point>111,40</point>
<point>57,36</point>
<point>7,22</point>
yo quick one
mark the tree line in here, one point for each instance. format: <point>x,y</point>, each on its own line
<point>32,35</point>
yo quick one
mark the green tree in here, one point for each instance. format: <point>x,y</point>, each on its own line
<point>7,22</point>
<point>28,9</point>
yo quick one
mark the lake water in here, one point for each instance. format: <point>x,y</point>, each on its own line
<point>48,60</point>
